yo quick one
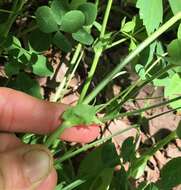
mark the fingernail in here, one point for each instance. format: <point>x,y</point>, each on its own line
<point>37,165</point>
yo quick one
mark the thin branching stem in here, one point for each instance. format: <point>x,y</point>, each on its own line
<point>131,56</point>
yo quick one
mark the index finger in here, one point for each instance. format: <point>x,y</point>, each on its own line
<point>20,112</point>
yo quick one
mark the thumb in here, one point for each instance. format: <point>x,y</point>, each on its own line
<point>25,167</point>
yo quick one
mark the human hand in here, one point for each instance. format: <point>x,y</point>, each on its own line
<point>27,167</point>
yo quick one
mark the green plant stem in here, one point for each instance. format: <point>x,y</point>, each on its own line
<point>17,6</point>
<point>69,78</point>
<point>76,54</point>
<point>90,75</point>
<point>162,143</point>
<point>105,119</point>
<point>118,42</point>
<point>56,134</point>
<point>60,88</point>
<point>97,3</point>
<point>131,56</point>
<point>155,63</point>
<point>98,52</point>
<point>148,154</point>
<point>163,113</point>
<point>74,184</point>
<point>106,16</point>
<point>6,11</point>
<point>91,145</point>
<point>141,84</point>
<point>131,91</point>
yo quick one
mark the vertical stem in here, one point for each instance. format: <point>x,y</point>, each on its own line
<point>98,52</point>
<point>106,16</point>
<point>76,54</point>
<point>69,78</point>
<point>60,88</point>
<point>17,6</point>
<point>90,75</point>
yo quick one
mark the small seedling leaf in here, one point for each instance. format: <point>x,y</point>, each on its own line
<point>128,27</point>
<point>140,69</point>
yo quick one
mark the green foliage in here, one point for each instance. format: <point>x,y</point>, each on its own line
<point>76,3</point>
<point>83,36</point>
<point>120,180</point>
<point>170,174</point>
<point>146,186</point>
<point>175,6</point>
<point>39,41</point>
<point>72,21</point>
<point>128,26</point>
<point>174,51</point>
<point>179,32</point>
<point>28,37</point>
<point>75,116</point>
<point>90,12</point>
<point>98,166</point>
<point>40,65</point>
<point>151,12</point>
<point>128,149</point>
<point>46,20</point>
<point>59,8</point>
<point>62,16</point>
<point>26,84</point>
<point>62,42</point>
<point>178,130</point>
<point>138,166</point>
<point>173,89</point>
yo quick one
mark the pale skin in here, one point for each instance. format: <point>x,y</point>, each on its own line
<point>20,112</point>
